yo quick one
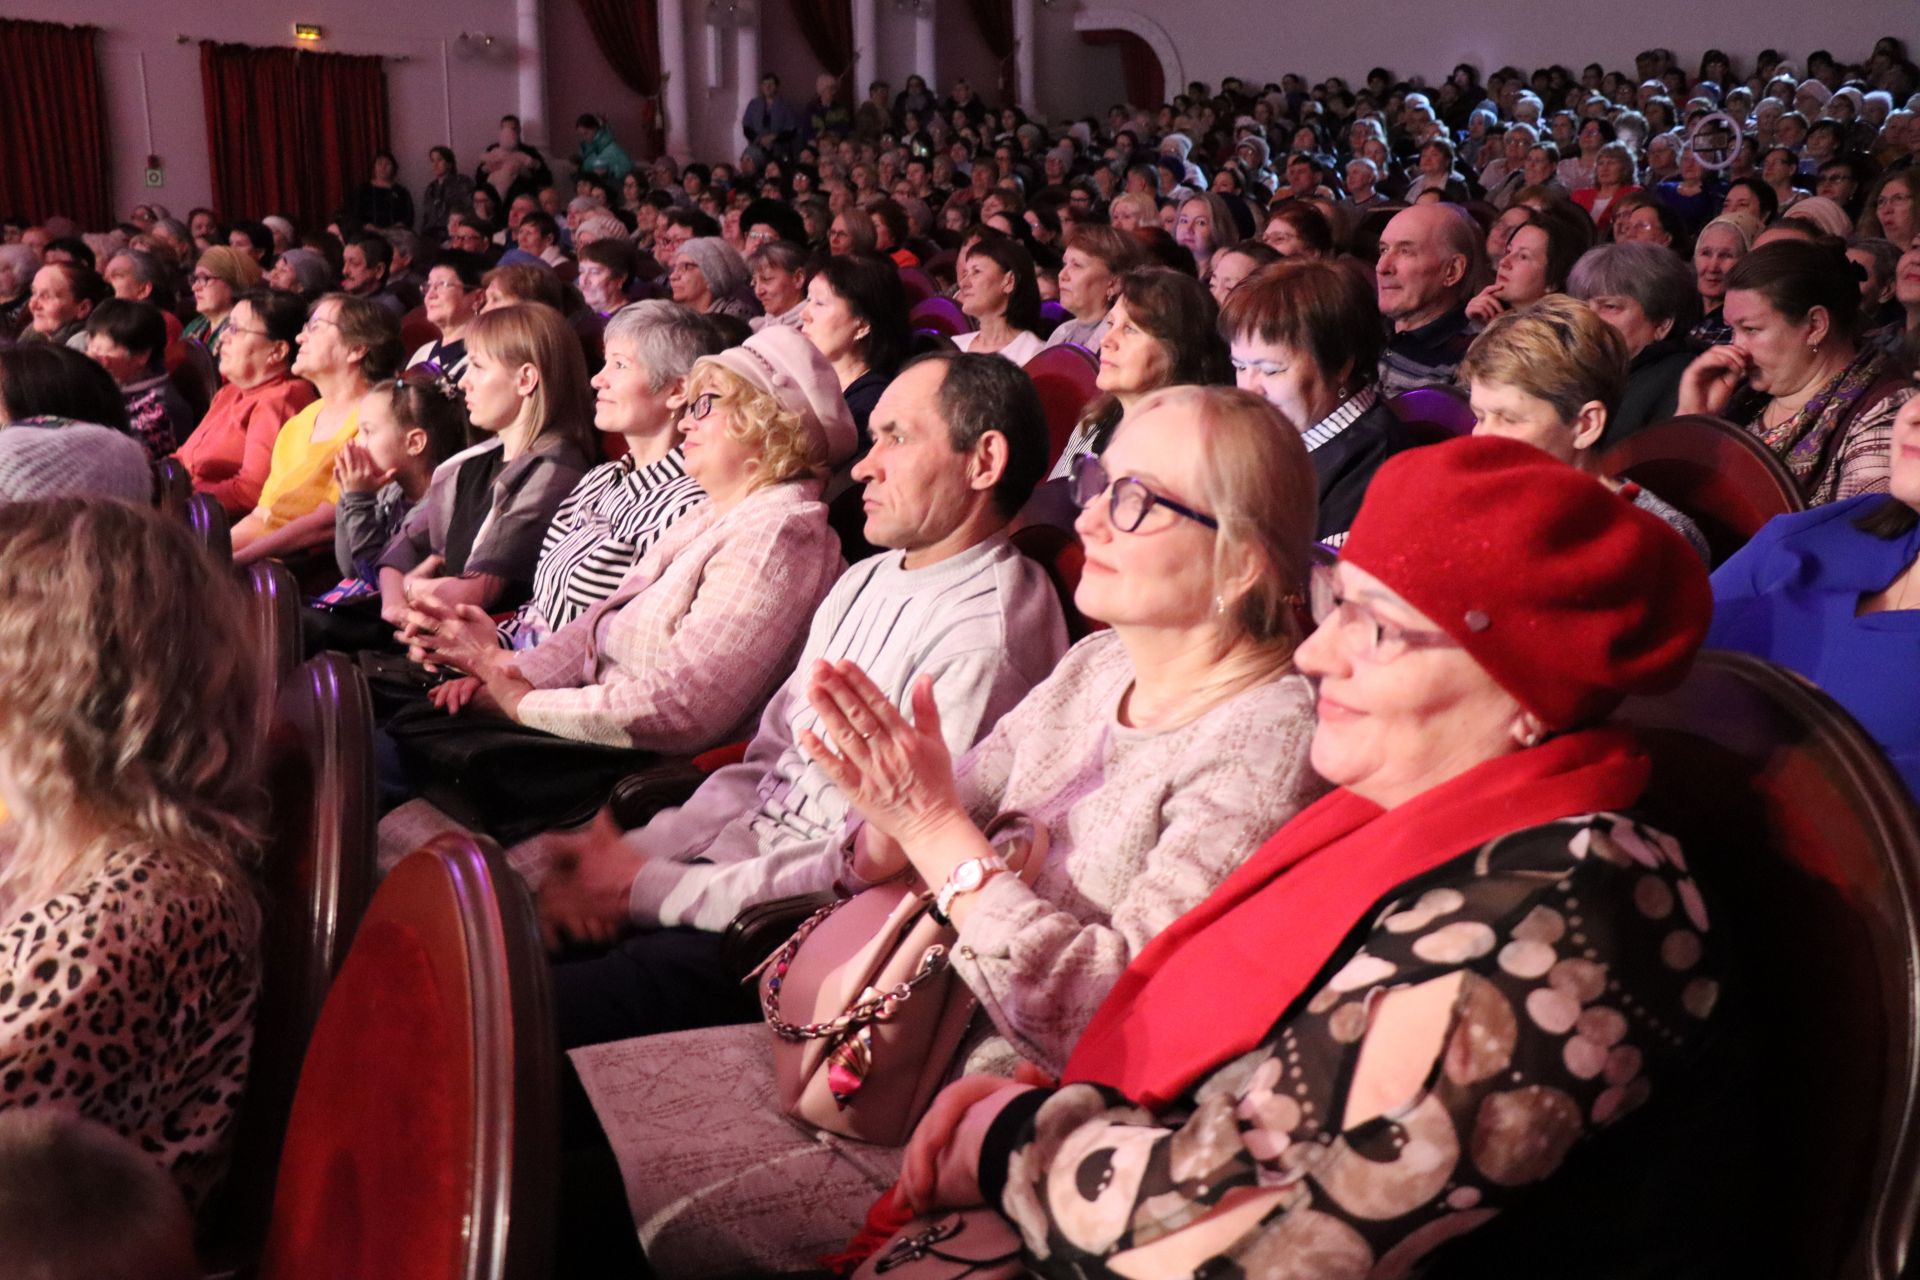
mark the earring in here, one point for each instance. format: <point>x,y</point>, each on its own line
<point>1220,604</point>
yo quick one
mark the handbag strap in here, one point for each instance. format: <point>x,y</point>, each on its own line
<point>876,1006</point>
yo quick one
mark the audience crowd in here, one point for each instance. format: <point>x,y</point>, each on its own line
<point>1343,924</point>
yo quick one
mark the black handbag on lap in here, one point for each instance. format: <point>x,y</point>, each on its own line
<point>502,778</point>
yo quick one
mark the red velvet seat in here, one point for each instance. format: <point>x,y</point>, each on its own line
<point>917,285</point>
<point>1061,555</point>
<point>940,315</point>
<point>1064,376</point>
<point>1723,478</point>
<point>317,875</point>
<point>423,1144</point>
<point>275,598</point>
<point>1809,845</point>
<point>172,488</point>
<point>1443,408</point>
<point>417,331</point>
<point>208,520</point>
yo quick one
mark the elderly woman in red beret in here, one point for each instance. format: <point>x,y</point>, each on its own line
<point>1401,1014</point>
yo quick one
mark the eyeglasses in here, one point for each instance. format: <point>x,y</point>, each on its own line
<point>702,405</point>
<point>1363,631</point>
<point>201,277</point>
<point>1130,500</point>
<point>258,333</point>
<point>314,320</point>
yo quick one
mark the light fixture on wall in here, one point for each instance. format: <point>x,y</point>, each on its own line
<point>307,32</point>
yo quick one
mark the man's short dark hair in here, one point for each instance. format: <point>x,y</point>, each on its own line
<point>377,251</point>
<point>542,221</point>
<point>986,393</point>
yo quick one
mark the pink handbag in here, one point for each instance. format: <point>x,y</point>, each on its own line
<point>866,1011</point>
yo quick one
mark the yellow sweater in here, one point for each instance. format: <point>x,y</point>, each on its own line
<point>301,475</point>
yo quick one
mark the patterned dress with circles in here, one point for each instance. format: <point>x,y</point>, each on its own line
<point>1583,956</point>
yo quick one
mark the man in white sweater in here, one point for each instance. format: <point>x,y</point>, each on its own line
<point>958,443</point>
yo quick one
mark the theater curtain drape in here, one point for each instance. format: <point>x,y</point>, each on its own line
<point>290,131</point>
<point>628,34</point>
<point>828,27</point>
<point>53,129</point>
<point>995,20</point>
<point>1140,67</point>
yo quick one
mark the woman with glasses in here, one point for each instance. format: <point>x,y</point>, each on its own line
<point>346,346</point>
<point>1156,756</point>
<point>1400,1014</point>
<point>687,650</point>
<point>220,276</point>
<point>455,292</point>
<point>230,452</point>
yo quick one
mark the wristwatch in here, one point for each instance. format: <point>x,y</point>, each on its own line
<point>966,878</point>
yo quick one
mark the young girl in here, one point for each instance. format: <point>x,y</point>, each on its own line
<point>475,537</point>
<point>408,427</point>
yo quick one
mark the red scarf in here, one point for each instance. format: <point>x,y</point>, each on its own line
<point>1211,986</point>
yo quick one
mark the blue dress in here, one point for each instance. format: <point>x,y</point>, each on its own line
<point>1790,596</point>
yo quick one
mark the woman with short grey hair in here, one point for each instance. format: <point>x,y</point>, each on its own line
<point>1646,293</point>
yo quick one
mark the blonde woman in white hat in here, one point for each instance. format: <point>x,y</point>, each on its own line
<point>685,652</point>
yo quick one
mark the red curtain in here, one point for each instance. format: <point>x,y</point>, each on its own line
<point>828,27</point>
<point>628,34</point>
<point>995,20</point>
<point>288,130</point>
<point>1146,80</point>
<point>53,130</point>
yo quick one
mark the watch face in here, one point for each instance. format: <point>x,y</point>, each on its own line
<point>968,874</point>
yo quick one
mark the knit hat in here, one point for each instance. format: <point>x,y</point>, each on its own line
<point>721,263</point>
<point>1564,592</point>
<point>309,268</point>
<point>779,360</point>
<point>1262,152</point>
<point>1823,213</point>
<point>55,458</point>
<point>1812,89</point>
<point>274,222</point>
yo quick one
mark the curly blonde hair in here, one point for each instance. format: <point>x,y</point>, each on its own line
<point>130,697</point>
<point>787,449</point>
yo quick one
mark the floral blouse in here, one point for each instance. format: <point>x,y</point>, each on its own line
<point>1581,952</point>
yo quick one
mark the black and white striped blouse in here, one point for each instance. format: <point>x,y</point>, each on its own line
<point>600,532</point>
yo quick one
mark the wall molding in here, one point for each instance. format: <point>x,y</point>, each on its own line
<point>1098,19</point>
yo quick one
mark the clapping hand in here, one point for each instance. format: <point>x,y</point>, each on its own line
<point>438,634</point>
<point>897,774</point>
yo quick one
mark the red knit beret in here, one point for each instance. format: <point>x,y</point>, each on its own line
<point>1568,595</point>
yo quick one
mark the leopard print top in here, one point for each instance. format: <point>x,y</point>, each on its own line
<point>130,1001</point>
